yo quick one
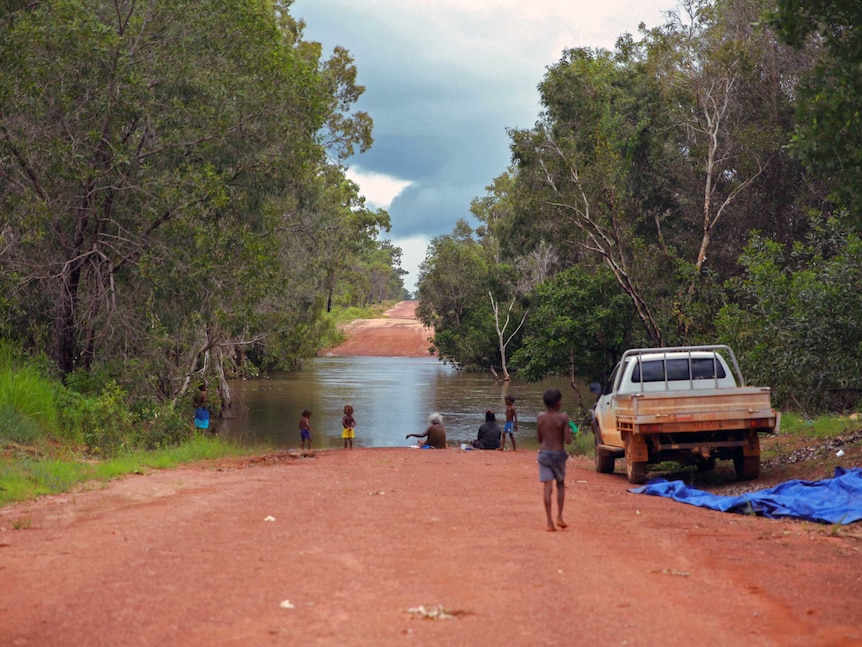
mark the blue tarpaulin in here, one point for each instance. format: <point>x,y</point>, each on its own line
<point>834,500</point>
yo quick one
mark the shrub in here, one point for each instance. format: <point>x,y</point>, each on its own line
<point>104,423</point>
<point>28,408</point>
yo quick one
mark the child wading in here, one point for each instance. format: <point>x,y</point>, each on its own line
<point>511,425</point>
<point>553,431</point>
<point>305,429</point>
<point>348,423</point>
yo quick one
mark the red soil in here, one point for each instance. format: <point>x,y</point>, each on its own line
<point>187,557</point>
<point>398,334</point>
<point>358,538</point>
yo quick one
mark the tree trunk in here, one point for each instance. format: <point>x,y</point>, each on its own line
<point>223,387</point>
<point>501,331</point>
<point>64,319</point>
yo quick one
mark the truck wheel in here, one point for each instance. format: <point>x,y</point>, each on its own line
<point>604,459</point>
<point>636,471</point>
<point>747,467</point>
<point>705,464</point>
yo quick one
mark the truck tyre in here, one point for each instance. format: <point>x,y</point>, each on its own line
<point>604,459</point>
<point>705,464</point>
<point>636,471</point>
<point>747,467</point>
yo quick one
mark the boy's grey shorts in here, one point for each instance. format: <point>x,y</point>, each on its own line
<point>552,465</point>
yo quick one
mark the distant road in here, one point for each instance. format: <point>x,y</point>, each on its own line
<point>397,334</point>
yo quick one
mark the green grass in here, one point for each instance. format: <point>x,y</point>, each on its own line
<point>28,407</point>
<point>582,443</point>
<point>823,427</point>
<point>342,316</point>
<point>26,477</point>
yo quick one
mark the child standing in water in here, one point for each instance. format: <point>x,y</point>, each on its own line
<point>553,433</point>
<point>511,425</point>
<point>348,423</point>
<point>305,428</point>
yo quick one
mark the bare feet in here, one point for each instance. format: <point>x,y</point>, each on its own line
<point>551,529</point>
<point>562,524</point>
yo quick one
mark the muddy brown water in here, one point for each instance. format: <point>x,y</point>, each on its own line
<point>392,396</point>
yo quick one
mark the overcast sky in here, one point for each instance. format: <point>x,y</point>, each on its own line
<point>444,80</point>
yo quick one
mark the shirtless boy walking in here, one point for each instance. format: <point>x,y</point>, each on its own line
<point>553,433</point>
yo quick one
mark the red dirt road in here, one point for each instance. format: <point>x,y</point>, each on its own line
<point>186,557</point>
<point>398,334</point>
<point>357,538</point>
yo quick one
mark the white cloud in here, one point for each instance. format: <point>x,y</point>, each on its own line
<point>413,250</point>
<point>444,80</point>
<point>379,189</point>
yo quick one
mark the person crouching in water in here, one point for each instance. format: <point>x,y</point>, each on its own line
<point>553,432</point>
<point>347,424</point>
<point>435,434</point>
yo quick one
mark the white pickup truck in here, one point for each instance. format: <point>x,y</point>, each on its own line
<point>681,404</point>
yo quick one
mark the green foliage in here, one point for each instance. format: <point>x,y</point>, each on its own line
<point>200,144</point>
<point>798,323</point>
<point>26,477</point>
<point>828,133</point>
<point>91,411</point>
<point>582,444</point>
<point>28,409</point>
<point>581,324</point>
<point>103,423</point>
<point>623,217</point>
<point>454,283</point>
<point>822,427</point>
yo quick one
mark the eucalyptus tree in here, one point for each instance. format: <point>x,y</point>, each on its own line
<point>728,86</point>
<point>452,289</point>
<point>580,326</point>
<point>797,322</point>
<point>153,157</point>
<point>828,133</point>
<point>586,171</point>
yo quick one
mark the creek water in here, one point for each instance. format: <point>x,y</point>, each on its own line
<point>392,396</point>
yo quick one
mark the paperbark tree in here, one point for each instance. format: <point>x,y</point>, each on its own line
<point>502,329</point>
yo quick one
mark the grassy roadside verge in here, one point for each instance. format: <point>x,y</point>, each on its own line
<point>27,472</point>
<point>54,436</point>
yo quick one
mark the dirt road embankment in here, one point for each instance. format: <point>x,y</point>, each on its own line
<point>397,334</point>
<point>338,549</point>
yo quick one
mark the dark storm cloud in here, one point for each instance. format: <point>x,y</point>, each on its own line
<point>439,122</point>
<point>445,78</point>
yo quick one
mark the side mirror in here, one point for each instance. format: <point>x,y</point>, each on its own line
<point>595,388</point>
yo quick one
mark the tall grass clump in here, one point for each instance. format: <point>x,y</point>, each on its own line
<point>28,400</point>
<point>582,442</point>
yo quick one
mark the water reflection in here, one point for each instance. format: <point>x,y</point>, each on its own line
<point>393,396</point>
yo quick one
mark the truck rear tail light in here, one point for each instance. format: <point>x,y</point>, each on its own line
<point>759,422</point>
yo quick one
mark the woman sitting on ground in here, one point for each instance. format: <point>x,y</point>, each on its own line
<point>489,433</point>
<point>435,435</point>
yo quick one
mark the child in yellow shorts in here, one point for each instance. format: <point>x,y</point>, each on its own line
<point>348,423</point>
